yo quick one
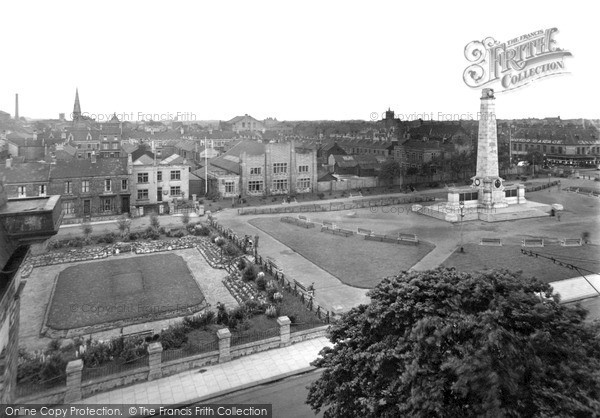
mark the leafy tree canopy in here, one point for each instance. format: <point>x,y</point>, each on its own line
<point>447,344</point>
<point>390,170</point>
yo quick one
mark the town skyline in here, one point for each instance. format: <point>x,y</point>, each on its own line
<point>292,63</point>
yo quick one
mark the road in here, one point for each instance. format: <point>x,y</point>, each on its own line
<point>287,396</point>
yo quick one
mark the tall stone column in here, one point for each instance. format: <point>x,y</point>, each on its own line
<point>487,176</point>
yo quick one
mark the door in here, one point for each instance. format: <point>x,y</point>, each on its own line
<point>87,207</point>
<point>124,204</point>
<point>159,194</point>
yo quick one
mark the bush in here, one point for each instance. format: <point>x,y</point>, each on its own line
<point>222,315</point>
<point>231,249</point>
<point>173,337</point>
<point>185,219</point>
<point>271,311</point>
<point>87,229</point>
<point>154,222</point>
<point>202,230</point>
<point>133,236</point>
<point>200,321</point>
<point>151,233</point>
<point>162,230</point>
<point>271,293</point>
<point>261,283</point>
<point>254,307</point>
<point>241,264</point>
<point>213,237</point>
<point>249,273</point>
<point>238,313</point>
<point>107,238</point>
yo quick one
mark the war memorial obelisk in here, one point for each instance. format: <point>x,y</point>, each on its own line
<point>488,198</point>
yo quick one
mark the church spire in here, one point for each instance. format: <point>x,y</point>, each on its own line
<point>76,107</point>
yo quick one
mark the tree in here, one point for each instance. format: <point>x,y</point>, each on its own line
<point>444,343</point>
<point>87,230</point>
<point>124,225</point>
<point>154,221</point>
<point>185,219</point>
<point>390,170</point>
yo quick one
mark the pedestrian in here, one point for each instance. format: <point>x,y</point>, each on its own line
<point>558,215</point>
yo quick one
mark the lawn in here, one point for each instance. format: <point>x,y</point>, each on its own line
<point>353,260</point>
<point>478,258</point>
<point>135,289</point>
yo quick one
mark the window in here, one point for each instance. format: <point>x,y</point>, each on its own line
<point>514,147</point>
<point>124,184</point>
<point>107,205</point>
<point>105,138</point>
<point>229,187</point>
<point>255,171</point>
<point>85,186</point>
<point>520,147</point>
<point>42,190</point>
<point>115,145</point>
<point>551,150</point>
<point>107,185</point>
<point>279,168</point>
<point>142,177</point>
<point>159,176</point>
<point>510,193</point>
<point>303,169</point>
<point>560,150</point>
<point>255,186</point>
<point>175,190</point>
<point>104,146</point>
<point>468,196</point>
<point>303,184</point>
<point>280,184</point>
<point>142,194</point>
<point>176,175</point>
<point>68,207</point>
<point>22,191</point>
<point>544,148</point>
<point>68,187</point>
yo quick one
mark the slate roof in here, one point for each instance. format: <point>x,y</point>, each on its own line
<point>103,167</point>
<point>26,173</point>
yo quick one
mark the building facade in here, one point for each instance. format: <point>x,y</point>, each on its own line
<point>158,184</point>
<point>92,187</point>
<point>25,180</point>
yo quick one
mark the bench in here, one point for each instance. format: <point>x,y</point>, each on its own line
<point>328,225</point>
<point>361,231</point>
<point>375,237</point>
<point>309,290</point>
<point>533,242</point>
<point>273,266</point>
<point>571,242</point>
<point>407,237</point>
<point>143,334</point>
<point>494,242</point>
<point>343,232</point>
<point>356,195</point>
<point>303,218</point>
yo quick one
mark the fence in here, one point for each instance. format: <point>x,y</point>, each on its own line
<point>239,338</point>
<point>89,373</point>
<point>540,186</point>
<point>190,350</point>
<point>335,206</point>
<point>80,381</point>
<point>28,388</point>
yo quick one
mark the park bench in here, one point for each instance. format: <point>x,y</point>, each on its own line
<point>273,266</point>
<point>571,242</point>
<point>303,218</point>
<point>497,242</point>
<point>356,195</point>
<point>328,224</point>
<point>375,237</point>
<point>309,290</point>
<point>361,231</point>
<point>142,334</point>
<point>533,242</point>
<point>343,232</point>
<point>408,238</point>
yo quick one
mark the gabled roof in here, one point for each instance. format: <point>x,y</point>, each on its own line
<point>344,161</point>
<point>26,173</point>
<point>173,159</point>
<point>135,155</point>
<point>103,167</point>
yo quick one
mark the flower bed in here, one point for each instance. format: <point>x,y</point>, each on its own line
<point>87,254</point>
<point>243,291</point>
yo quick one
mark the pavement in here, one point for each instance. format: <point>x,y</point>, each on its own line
<point>220,379</point>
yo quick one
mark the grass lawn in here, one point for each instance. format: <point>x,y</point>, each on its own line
<point>123,289</point>
<point>353,260</point>
<point>477,258</point>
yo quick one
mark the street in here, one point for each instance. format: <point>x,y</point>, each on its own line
<point>287,396</point>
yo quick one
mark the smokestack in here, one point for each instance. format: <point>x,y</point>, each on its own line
<point>17,106</point>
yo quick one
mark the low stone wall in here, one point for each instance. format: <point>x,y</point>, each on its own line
<point>103,384</point>
<point>253,347</point>
<point>76,388</point>
<point>308,334</point>
<point>187,363</point>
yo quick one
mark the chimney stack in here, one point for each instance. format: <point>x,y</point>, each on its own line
<point>17,106</point>
<point>93,158</point>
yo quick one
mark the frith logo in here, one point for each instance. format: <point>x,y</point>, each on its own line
<point>514,63</point>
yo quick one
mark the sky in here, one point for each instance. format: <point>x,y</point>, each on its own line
<point>302,60</point>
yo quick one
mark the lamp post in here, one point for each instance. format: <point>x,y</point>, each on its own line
<point>461,205</point>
